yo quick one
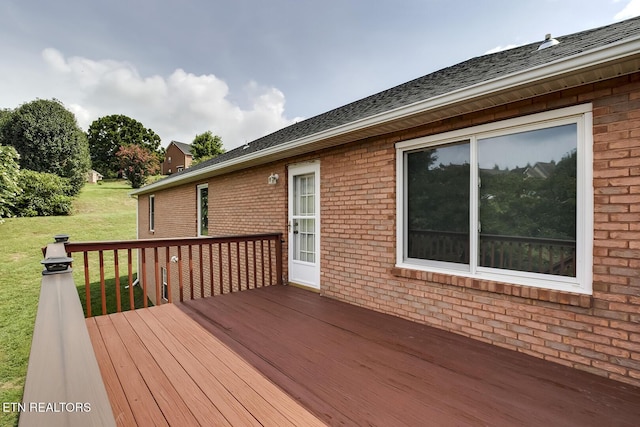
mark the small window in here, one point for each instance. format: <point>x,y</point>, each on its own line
<point>508,201</point>
<point>203,210</point>
<point>169,159</point>
<point>152,213</point>
<point>165,285</point>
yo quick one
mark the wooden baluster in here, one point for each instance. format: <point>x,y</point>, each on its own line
<point>279,260</point>
<point>143,254</point>
<point>238,264</point>
<point>246,263</point>
<point>167,258</point>
<point>200,258</point>
<point>270,263</point>
<point>191,271</point>
<point>255,270</point>
<point>211,269</point>
<point>180,278</point>
<point>262,260</point>
<point>220,268</point>
<point>229,264</point>
<point>87,284</point>
<point>116,267</point>
<point>130,274</point>
<point>103,292</point>
<point>540,268</point>
<point>156,269</point>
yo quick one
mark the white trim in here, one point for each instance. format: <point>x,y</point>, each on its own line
<point>611,52</point>
<point>582,283</point>
<point>198,208</point>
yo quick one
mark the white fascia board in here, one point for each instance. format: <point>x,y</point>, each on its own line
<point>588,59</point>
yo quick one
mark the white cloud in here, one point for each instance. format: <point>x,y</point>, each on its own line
<point>176,107</point>
<point>631,10</point>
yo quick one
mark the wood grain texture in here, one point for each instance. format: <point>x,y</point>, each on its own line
<point>352,366</point>
<point>169,370</point>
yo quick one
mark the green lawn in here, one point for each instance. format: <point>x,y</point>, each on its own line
<point>101,212</point>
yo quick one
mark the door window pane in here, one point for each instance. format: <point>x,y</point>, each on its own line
<point>527,201</point>
<point>438,181</point>
<point>303,218</point>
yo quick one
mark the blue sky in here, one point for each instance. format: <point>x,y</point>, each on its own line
<point>245,68</point>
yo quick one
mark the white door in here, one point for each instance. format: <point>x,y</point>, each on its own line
<point>304,224</point>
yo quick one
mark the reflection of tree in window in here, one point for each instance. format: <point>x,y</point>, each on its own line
<point>438,203</point>
<point>528,213</point>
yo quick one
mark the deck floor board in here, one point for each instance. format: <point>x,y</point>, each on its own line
<point>350,366</point>
<point>162,368</point>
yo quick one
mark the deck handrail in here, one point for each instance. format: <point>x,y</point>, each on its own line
<point>533,254</point>
<point>64,386</point>
<point>207,265</point>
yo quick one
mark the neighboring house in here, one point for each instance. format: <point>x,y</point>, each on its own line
<point>93,176</point>
<point>177,158</point>
<point>386,202</point>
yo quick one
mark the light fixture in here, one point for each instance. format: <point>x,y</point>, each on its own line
<point>273,179</point>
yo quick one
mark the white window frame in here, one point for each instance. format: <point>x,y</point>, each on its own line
<point>582,116</point>
<point>152,212</point>
<point>198,207</point>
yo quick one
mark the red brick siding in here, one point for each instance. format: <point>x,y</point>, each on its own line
<point>599,334</point>
<point>178,159</point>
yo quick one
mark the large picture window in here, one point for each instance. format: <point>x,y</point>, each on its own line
<point>510,201</point>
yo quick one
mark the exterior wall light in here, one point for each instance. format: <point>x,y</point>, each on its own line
<point>273,179</point>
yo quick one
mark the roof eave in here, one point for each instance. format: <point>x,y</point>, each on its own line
<point>591,59</point>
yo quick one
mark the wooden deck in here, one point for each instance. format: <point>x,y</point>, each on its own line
<point>345,364</point>
<point>161,368</point>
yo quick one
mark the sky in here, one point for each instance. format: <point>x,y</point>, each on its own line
<point>245,68</point>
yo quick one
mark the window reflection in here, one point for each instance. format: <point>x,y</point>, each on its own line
<point>527,200</point>
<point>438,203</point>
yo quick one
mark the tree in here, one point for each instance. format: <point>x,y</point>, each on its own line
<point>137,163</point>
<point>43,194</point>
<point>48,139</point>
<point>9,174</point>
<point>206,146</point>
<point>107,134</point>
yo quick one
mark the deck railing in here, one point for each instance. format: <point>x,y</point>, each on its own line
<point>200,267</point>
<point>63,386</point>
<point>532,254</point>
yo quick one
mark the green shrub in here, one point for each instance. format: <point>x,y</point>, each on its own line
<point>9,174</point>
<point>43,194</point>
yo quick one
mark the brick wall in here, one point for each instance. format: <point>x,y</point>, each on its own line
<point>599,334</point>
<point>239,203</point>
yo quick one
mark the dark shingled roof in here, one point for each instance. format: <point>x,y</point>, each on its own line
<point>185,148</point>
<point>465,74</point>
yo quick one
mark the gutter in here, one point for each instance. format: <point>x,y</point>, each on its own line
<point>611,52</point>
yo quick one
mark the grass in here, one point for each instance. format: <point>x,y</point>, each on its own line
<point>101,212</point>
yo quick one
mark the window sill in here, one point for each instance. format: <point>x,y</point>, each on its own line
<point>547,295</point>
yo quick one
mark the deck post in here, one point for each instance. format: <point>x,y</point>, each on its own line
<point>64,386</point>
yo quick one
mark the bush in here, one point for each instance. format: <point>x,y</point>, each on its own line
<point>9,175</point>
<point>48,139</point>
<point>43,194</point>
